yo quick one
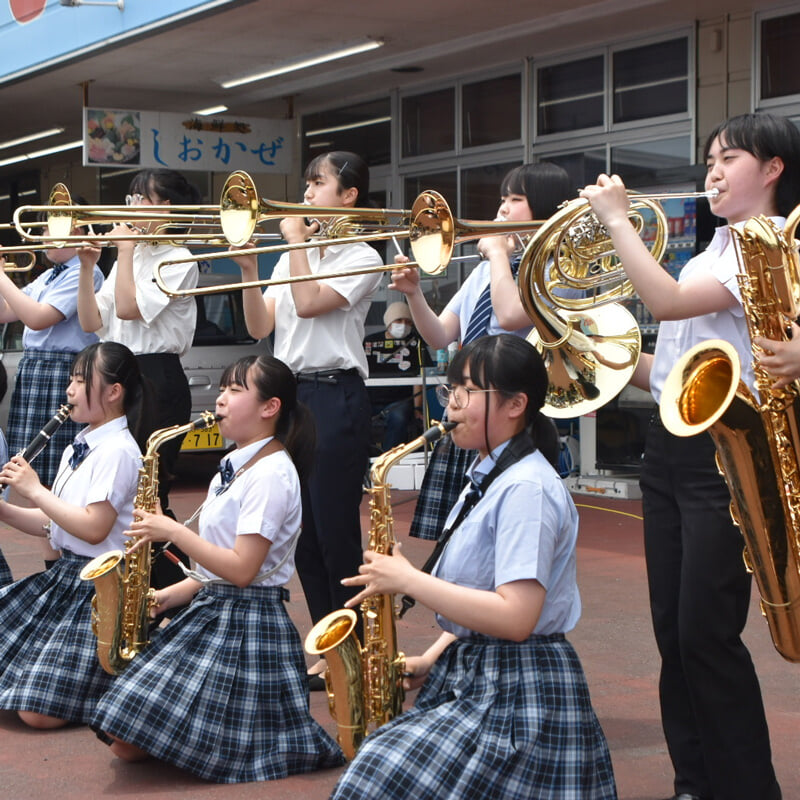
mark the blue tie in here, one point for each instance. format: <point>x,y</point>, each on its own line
<point>226,475</point>
<point>482,313</point>
<point>55,272</point>
<point>79,451</point>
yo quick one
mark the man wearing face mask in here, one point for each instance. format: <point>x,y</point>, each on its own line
<point>395,353</point>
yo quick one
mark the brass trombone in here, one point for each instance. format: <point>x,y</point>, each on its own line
<point>14,266</point>
<point>430,227</point>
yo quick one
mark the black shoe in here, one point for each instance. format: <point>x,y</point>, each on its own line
<point>316,683</point>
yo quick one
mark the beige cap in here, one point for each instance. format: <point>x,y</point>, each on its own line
<point>398,310</point>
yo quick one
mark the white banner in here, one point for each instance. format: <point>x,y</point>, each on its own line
<point>118,138</point>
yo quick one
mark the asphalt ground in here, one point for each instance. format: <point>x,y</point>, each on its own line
<point>613,639</point>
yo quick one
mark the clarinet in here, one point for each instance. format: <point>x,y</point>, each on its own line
<point>39,442</point>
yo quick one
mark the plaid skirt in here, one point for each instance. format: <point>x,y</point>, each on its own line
<point>40,389</point>
<point>494,719</point>
<point>5,571</point>
<point>221,692</point>
<point>444,479</point>
<point>48,653</point>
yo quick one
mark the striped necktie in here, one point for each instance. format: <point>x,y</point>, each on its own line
<point>482,313</point>
<point>54,273</point>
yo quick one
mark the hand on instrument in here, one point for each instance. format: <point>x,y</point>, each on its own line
<point>123,245</point>
<point>177,594</point>
<point>608,198</point>
<point>380,574</point>
<point>498,244</point>
<point>151,527</point>
<point>247,263</point>
<point>404,279</point>
<point>781,358</point>
<point>295,230</point>
<point>19,474</point>
<point>88,255</point>
<point>416,672</point>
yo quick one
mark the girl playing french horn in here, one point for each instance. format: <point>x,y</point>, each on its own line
<point>49,672</point>
<point>221,690</point>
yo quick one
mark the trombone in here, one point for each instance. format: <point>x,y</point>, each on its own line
<point>15,266</point>
<point>430,227</point>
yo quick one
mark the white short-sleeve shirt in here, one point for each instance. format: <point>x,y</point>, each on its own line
<point>110,471</point>
<point>263,500</point>
<point>333,340</point>
<point>676,337</point>
<point>167,324</point>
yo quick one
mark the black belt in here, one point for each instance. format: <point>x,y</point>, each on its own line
<point>325,376</point>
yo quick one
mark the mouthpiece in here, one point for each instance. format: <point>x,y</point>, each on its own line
<point>712,193</point>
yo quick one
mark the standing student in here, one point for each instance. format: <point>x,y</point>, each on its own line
<point>221,690</point>
<point>318,331</point>
<point>487,303</point>
<point>711,707</point>
<point>48,307</point>
<point>132,310</point>
<point>504,708</point>
<point>49,671</point>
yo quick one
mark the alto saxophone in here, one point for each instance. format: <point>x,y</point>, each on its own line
<point>758,443</point>
<point>122,600</point>
<point>364,684</point>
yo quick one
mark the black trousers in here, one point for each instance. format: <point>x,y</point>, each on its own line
<point>711,707</point>
<point>329,547</point>
<point>173,406</point>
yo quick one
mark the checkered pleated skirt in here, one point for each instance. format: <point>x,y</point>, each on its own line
<point>495,719</point>
<point>444,479</point>
<point>48,653</point>
<point>5,571</point>
<point>39,391</point>
<point>221,691</point>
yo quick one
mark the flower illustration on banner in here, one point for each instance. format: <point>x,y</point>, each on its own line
<point>26,10</point>
<point>113,137</point>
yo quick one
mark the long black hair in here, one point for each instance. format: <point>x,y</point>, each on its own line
<point>511,365</point>
<point>295,427</point>
<point>350,170</point>
<point>115,363</point>
<point>766,136</point>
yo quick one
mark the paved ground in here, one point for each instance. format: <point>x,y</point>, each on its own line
<point>613,639</point>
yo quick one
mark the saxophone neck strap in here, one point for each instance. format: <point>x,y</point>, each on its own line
<point>520,446</point>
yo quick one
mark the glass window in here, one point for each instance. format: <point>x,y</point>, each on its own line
<point>651,162</point>
<point>491,111</point>
<point>570,96</point>
<point>480,190</point>
<point>780,42</point>
<point>15,191</point>
<point>364,129</point>
<point>651,81</point>
<point>428,123</point>
<point>582,167</point>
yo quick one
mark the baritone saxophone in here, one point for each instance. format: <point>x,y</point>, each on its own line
<point>364,684</point>
<point>757,437</point>
<point>123,597</point>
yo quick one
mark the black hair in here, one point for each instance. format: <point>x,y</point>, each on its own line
<point>168,184</point>
<point>295,427</point>
<point>350,169</point>
<point>511,365</point>
<point>545,185</point>
<point>766,136</point>
<point>115,363</point>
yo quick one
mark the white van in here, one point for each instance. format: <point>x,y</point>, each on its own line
<point>220,338</point>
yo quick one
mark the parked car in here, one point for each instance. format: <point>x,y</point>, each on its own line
<point>220,338</point>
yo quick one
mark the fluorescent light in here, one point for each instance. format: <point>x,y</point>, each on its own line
<point>351,50</point>
<point>204,112</point>
<point>41,153</point>
<point>31,137</point>
<point>349,126</point>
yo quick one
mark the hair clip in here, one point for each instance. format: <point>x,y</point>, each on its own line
<point>343,167</point>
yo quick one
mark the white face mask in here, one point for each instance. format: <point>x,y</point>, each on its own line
<point>399,330</point>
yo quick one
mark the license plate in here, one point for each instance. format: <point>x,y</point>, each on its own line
<point>206,439</point>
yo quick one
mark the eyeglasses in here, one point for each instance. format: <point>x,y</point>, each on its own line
<point>134,199</point>
<point>459,394</point>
